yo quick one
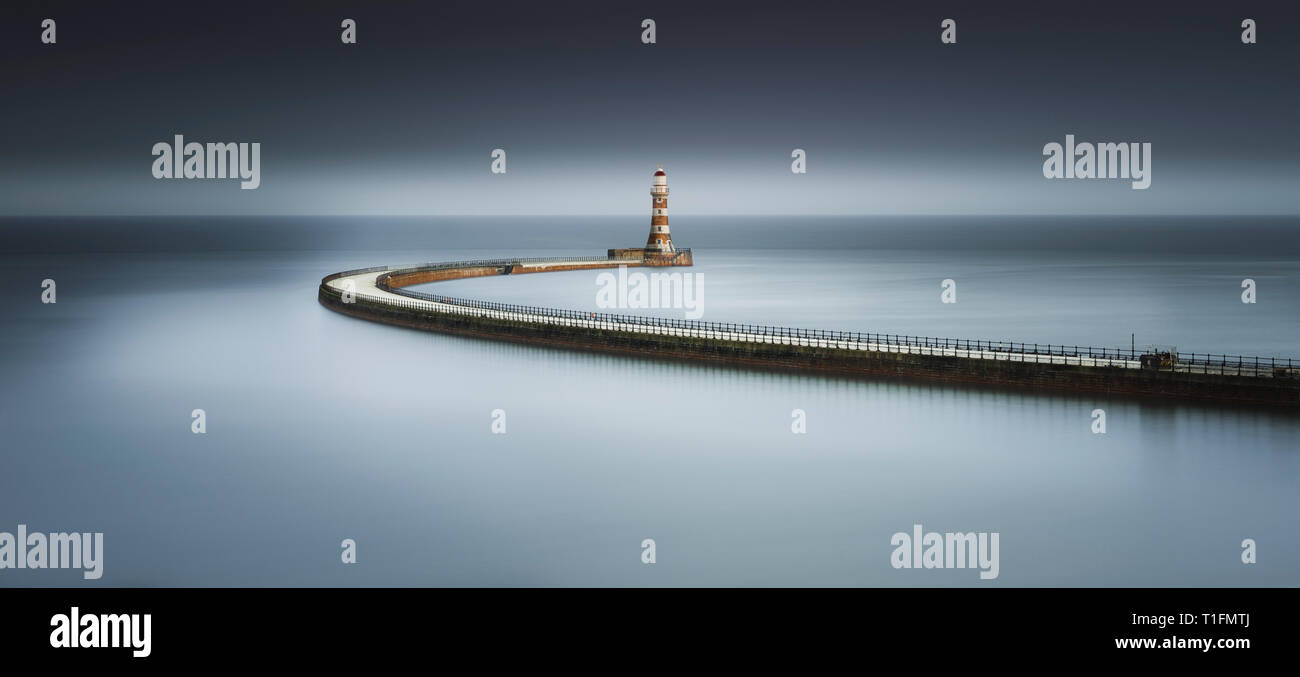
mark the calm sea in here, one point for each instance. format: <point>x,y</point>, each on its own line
<point>321,427</point>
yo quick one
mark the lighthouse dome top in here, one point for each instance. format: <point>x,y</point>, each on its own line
<point>660,172</point>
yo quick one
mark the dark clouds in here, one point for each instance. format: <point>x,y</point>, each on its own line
<point>403,122</point>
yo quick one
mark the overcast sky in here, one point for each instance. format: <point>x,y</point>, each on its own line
<point>893,121</point>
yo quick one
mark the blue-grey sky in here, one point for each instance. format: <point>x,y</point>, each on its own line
<point>893,121</point>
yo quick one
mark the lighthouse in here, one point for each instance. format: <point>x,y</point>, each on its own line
<point>659,250</point>
<point>660,241</point>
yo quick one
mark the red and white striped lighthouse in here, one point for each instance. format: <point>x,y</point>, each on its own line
<point>660,240</point>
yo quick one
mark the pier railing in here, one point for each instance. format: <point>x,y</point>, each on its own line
<point>1210,363</point>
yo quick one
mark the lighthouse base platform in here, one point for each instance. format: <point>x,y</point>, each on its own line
<point>653,257</point>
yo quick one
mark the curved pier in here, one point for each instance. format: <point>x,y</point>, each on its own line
<point>379,294</point>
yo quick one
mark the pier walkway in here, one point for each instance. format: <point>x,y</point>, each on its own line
<point>382,286</point>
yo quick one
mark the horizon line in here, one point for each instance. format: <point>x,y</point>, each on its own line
<point>638,215</point>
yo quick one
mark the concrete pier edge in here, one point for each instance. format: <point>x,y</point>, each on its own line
<point>379,297</point>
